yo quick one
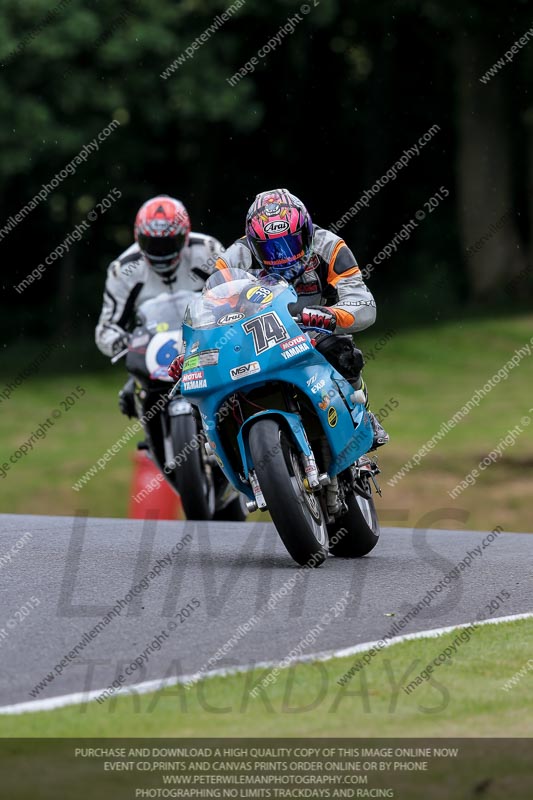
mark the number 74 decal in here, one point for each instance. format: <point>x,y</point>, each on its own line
<point>267,331</point>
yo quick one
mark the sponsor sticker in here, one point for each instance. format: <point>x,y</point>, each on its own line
<point>194,380</point>
<point>194,347</point>
<point>324,403</point>
<point>295,350</point>
<point>205,358</point>
<point>208,358</point>
<point>297,340</point>
<point>227,319</point>
<point>192,385</point>
<point>193,376</point>
<point>259,294</point>
<point>277,226</point>
<point>332,417</point>
<point>191,363</point>
<point>244,370</point>
<point>320,385</point>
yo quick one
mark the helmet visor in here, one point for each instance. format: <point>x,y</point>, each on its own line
<point>282,252</point>
<point>161,249</point>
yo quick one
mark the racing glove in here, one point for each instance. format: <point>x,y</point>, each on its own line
<point>121,343</point>
<point>176,368</point>
<point>126,401</point>
<point>319,317</point>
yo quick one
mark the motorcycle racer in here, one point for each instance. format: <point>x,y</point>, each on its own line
<point>165,257</point>
<point>280,239</point>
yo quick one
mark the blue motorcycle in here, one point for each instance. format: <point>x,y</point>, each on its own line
<point>286,428</point>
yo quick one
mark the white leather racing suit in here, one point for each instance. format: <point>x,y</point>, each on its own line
<point>130,281</point>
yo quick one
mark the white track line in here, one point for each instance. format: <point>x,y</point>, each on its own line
<point>151,686</point>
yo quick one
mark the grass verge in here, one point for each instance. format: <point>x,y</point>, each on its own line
<point>464,697</point>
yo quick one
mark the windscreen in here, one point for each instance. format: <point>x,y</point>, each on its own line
<point>230,295</point>
<point>165,310</point>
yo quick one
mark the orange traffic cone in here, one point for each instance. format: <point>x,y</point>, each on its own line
<point>150,493</point>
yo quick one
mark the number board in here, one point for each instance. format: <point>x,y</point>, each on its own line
<point>267,331</point>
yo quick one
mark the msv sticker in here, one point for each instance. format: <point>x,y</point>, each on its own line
<point>244,370</point>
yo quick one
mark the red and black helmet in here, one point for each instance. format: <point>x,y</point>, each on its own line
<point>162,227</point>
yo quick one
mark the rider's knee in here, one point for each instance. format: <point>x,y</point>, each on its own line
<point>342,353</point>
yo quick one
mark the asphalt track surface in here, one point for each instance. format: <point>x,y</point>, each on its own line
<point>77,569</point>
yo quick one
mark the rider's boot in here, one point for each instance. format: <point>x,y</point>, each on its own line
<point>381,436</point>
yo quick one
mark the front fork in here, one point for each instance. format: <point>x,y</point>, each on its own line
<point>364,470</point>
<point>176,407</point>
<point>332,500</point>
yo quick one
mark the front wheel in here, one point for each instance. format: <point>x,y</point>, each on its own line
<point>296,513</point>
<point>193,478</point>
<point>356,532</point>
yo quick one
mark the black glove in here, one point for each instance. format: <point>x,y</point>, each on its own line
<point>121,343</point>
<point>126,401</point>
<point>319,317</point>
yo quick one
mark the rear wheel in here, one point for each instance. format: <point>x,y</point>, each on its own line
<point>356,533</point>
<point>192,477</point>
<point>296,513</point>
<point>235,511</point>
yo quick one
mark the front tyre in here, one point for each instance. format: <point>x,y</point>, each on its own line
<point>296,513</point>
<point>192,477</point>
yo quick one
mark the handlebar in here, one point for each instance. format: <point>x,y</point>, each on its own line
<point>319,330</point>
<point>174,391</point>
<point>120,355</point>
<point>298,319</point>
